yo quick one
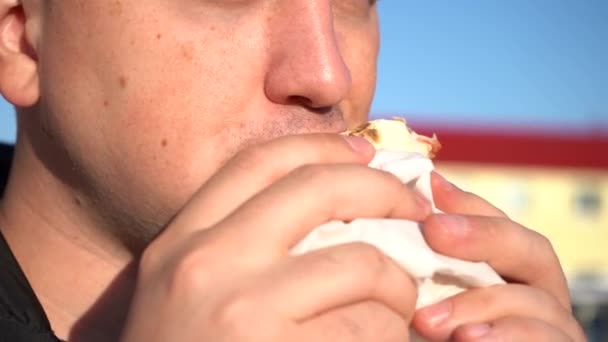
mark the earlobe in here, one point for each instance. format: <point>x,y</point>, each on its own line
<point>19,81</point>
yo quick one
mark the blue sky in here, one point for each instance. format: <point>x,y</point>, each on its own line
<point>492,62</point>
<point>516,62</point>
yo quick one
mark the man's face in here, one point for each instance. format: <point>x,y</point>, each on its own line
<point>149,98</point>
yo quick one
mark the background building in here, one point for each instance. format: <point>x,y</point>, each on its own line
<point>555,184</point>
<point>518,93</point>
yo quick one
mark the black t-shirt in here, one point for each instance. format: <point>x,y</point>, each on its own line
<point>22,318</point>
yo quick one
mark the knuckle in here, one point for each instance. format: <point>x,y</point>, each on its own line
<point>164,254</point>
<point>553,307</point>
<point>544,247</point>
<point>234,307</point>
<point>494,228</point>
<point>530,328</point>
<point>369,259</point>
<point>235,313</point>
<point>392,181</point>
<point>501,213</point>
<point>189,272</point>
<point>321,180</point>
<point>389,326</point>
<point>251,158</point>
<point>488,297</point>
<point>366,321</point>
<point>150,260</point>
<point>534,330</point>
<point>470,195</point>
<point>336,325</point>
<point>317,174</point>
<point>545,244</point>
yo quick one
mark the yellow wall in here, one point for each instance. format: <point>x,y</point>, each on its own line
<point>544,199</point>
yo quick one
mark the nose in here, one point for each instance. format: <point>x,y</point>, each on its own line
<point>306,66</point>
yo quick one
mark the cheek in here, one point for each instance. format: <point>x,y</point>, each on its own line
<point>149,110</point>
<point>359,47</point>
<point>177,115</point>
<point>364,84</point>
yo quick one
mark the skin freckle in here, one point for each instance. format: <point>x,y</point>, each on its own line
<point>115,8</point>
<point>122,81</point>
<point>46,132</point>
<point>187,51</point>
<point>106,103</point>
<point>163,143</point>
<point>159,36</point>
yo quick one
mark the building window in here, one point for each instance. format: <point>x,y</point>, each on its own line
<point>588,201</point>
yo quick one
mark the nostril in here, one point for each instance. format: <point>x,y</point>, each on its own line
<point>300,101</point>
<point>321,110</point>
<point>306,102</point>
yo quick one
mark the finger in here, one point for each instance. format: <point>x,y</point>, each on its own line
<point>337,276</point>
<point>256,167</point>
<point>450,199</point>
<point>492,303</point>
<point>524,255</point>
<point>361,322</point>
<point>513,329</point>
<point>277,218</point>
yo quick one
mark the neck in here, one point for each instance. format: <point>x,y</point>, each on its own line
<point>83,278</point>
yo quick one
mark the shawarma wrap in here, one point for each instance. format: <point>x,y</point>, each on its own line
<point>407,155</point>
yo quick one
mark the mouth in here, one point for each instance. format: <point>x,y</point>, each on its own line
<point>284,122</point>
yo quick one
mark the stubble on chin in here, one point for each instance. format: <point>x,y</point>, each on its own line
<point>139,230</point>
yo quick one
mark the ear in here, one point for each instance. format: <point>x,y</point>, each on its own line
<point>19,79</point>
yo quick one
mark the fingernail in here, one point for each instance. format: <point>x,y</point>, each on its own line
<point>436,314</point>
<point>359,145</point>
<point>477,330</point>
<point>454,224</point>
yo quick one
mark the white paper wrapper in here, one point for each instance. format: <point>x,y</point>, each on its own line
<point>438,276</point>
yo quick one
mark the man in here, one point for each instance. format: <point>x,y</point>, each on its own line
<point>170,152</point>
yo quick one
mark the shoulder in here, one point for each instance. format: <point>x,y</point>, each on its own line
<point>22,318</point>
<point>13,331</point>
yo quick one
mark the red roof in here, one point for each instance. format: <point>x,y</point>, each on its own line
<point>516,147</point>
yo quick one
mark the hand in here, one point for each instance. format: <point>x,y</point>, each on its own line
<point>221,271</point>
<point>533,306</point>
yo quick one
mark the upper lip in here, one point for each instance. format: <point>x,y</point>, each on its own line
<point>305,120</point>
